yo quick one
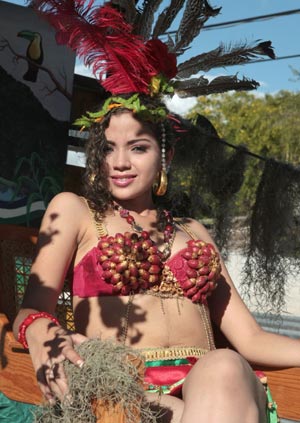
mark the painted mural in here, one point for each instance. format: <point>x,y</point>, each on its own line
<point>36,80</point>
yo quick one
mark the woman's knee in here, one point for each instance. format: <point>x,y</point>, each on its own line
<point>224,372</point>
<point>223,364</point>
<point>221,370</point>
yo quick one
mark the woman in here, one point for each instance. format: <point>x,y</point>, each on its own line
<point>125,154</point>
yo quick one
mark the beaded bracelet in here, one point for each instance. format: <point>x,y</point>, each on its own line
<point>27,322</point>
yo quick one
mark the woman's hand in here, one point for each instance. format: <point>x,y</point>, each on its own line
<point>49,347</point>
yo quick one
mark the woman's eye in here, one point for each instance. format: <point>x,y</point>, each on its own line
<point>139,148</point>
<point>108,149</point>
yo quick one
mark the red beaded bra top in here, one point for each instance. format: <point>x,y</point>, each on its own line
<point>131,263</point>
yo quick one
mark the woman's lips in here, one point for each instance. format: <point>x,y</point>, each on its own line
<point>122,181</point>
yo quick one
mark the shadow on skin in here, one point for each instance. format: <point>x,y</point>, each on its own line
<point>164,414</point>
<point>36,289</point>
<point>113,311</point>
<point>46,238</point>
<point>223,289</point>
<point>116,320</point>
<point>55,347</point>
<point>224,292</point>
<point>81,316</point>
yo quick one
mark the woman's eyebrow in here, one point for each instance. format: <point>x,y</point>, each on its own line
<point>130,142</point>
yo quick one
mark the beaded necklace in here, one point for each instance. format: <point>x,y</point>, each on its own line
<point>132,262</point>
<point>165,223</point>
<point>165,217</point>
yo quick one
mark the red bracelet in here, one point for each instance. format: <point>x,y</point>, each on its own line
<point>27,322</point>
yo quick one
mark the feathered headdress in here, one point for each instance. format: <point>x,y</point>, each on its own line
<point>120,42</point>
<point>122,61</point>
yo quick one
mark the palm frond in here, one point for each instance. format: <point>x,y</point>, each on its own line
<point>224,56</point>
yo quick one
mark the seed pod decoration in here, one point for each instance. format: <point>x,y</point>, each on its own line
<point>202,271</point>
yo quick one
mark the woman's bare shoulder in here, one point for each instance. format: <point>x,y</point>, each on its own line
<point>196,227</point>
<point>67,203</point>
<point>66,209</point>
<point>67,199</point>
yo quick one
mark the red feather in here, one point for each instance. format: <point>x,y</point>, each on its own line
<point>100,35</point>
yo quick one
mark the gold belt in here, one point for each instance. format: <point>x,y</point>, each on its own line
<point>171,353</point>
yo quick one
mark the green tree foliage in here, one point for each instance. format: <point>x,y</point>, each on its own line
<point>268,126</point>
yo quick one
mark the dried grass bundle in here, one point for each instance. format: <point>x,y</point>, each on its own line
<point>113,373</point>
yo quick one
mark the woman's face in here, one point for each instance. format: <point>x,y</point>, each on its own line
<point>133,158</point>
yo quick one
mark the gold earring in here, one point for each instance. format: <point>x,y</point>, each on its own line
<point>92,178</point>
<point>160,185</point>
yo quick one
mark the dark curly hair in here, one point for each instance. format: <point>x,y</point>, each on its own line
<point>95,178</point>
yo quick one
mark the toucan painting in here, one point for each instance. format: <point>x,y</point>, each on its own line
<point>34,54</point>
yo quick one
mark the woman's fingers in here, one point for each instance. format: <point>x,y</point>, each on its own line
<point>51,376</point>
<point>57,381</point>
<point>71,355</point>
<point>69,352</point>
<point>78,339</point>
<point>43,375</point>
<point>53,383</point>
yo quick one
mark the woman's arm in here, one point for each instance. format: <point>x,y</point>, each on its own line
<point>236,322</point>
<point>60,234</point>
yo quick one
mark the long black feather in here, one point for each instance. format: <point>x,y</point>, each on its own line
<point>201,86</point>
<point>166,18</point>
<point>224,56</point>
<point>145,18</point>
<point>196,13</point>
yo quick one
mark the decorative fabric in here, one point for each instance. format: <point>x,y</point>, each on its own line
<point>272,416</point>
<point>167,376</point>
<point>15,412</point>
<point>171,353</point>
<point>88,279</point>
<point>131,263</point>
<point>167,368</point>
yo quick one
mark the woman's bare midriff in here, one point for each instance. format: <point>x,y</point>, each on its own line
<point>152,321</point>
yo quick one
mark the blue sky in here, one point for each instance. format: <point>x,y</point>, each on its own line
<point>284,32</point>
